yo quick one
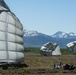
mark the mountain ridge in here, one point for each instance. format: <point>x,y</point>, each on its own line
<point>36,39</point>
<point>61,34</point>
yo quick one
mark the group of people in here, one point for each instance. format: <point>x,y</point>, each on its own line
<point>69,67</point>
<point>64,66</point>
<point>58,66</point>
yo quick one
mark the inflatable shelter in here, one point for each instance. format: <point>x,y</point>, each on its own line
<point>50,49</point>
<point>11,36</point>
<point>72,46</point>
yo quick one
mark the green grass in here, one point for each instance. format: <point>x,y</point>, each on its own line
<point>64,51</point>
<point>32,49</point>
<point>41,65</point>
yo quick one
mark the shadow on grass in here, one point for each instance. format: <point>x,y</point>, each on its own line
<point>6,66</point>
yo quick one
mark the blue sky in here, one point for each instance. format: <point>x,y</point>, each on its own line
<point>45,16</point>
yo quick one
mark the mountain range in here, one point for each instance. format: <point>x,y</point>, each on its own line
<point>36,39</point>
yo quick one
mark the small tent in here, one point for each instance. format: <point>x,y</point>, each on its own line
<point>50,49</point>
<point>72,46</point>
<point>11,36</point>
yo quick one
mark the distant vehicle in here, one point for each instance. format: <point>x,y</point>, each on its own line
<point>11,36</point>
<point>50,49</point>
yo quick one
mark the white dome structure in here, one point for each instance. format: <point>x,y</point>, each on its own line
<point>11,36</point>
<point>50,49</point>
<point>72,46</point>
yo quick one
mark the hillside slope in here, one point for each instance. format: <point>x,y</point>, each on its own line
<point>36,39</point>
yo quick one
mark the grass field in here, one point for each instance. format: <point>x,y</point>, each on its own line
<point>41,65</point>
<point>64,51</point>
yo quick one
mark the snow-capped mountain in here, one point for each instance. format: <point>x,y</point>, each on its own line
<point>58,34</point>
<point>36,39</point>
<point>30,33</point>
<point>61,34</point>
<point>33,33</point>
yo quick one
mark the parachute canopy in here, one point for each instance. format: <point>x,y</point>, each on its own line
<point>11,36</point>
<point>50,49</point>
<point>72,46</point>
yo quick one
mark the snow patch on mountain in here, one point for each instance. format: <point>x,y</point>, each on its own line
<point>33,33</point>
<point>58,34</point>
<point>30,33</point>
<point>61,34</point>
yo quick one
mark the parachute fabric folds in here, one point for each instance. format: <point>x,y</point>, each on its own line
<point>50,49</point>
<point>11,36</point>
<point>72,46</point>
